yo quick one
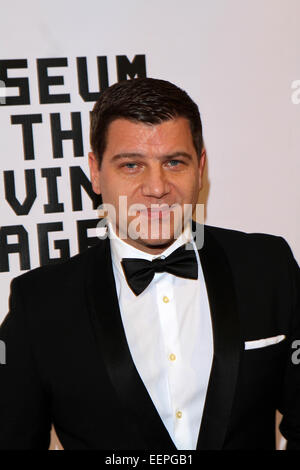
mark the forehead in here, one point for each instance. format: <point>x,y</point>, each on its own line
<point>123,134</point>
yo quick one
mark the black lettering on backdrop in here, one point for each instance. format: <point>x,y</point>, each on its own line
<point>84,241</point>
<point>83,81</point>
<point>61,245</point>
<point>26,121</point>
<point>53,204</point>
<point>19,82</point>
<point>10,191</point>
<point>58,135</point>
<point>126,69</point>
<point>131,69</point>
<point>44,80</point>
<point>22,247</point>
<point>79,179</point>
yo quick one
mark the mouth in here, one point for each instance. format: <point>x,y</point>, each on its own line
<point>154,212</point>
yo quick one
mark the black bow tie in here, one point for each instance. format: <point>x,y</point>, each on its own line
<point>140,272</point>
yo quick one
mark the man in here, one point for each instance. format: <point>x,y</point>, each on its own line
<point>150,340</point>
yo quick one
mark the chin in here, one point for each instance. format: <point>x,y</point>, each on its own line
<point>157,243</point>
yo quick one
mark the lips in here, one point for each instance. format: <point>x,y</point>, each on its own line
<point>156,212</point>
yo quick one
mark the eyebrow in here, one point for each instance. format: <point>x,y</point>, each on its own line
<point>128,155</point>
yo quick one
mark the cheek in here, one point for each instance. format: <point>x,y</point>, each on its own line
<point>113,187</point>
<point>188,187</point>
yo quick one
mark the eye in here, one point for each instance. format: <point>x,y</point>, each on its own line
<point>174,163</point>
<point>129,166</point>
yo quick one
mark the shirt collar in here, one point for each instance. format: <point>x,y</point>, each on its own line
<point>120,249</point>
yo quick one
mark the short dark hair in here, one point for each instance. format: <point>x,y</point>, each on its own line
<point>146,100</point>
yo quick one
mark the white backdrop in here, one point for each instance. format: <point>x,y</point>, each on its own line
<point>238,59</point>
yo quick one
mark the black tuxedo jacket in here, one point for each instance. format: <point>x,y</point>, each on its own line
<point>68,362</point>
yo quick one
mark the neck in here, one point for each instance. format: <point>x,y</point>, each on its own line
<point>152,247</point>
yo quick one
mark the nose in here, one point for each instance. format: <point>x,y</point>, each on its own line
<point>155,183</point>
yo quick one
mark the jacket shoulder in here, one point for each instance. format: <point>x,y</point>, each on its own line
<point>252,248</point>
<point>61,271</point>
<point>237,238</point>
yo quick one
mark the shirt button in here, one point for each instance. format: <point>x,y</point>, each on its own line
<point>172,357</point>
<point>178,414</point>
<point>166,299</point>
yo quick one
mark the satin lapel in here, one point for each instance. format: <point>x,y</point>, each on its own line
<point>114,350</point>
<point>227,344</point>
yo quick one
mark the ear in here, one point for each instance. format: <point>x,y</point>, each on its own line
<point>94,173</point>
<point>201,166</point>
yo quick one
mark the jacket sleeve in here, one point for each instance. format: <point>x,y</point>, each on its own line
<point>290,424</point>
<point>24,405</point>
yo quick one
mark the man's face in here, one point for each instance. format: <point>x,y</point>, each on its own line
<point>150,165</point>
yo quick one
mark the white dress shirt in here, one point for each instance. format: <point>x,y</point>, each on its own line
<point>169,334</point>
